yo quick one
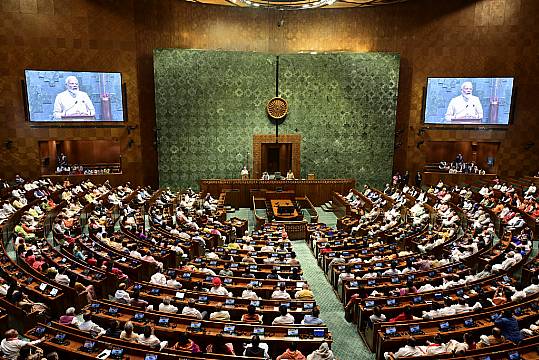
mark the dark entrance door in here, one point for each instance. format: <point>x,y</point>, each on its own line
<point>277,158</point>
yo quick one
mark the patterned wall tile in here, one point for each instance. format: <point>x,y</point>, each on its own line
<point>209,104</point>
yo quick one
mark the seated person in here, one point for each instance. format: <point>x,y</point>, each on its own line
<point>285,318</point>
<point>186,344</point>
<point>121,295</point>
<point>114,330</point>
<point>11,345</point>
<point>166,306</point>
<point>190,310</point>
<point>249,293</point>
<point>323,353</point>
<point>305,293</point>
<point>220,314</point>
<point>280,294</point>
<point>409,350</point>
<point>148,338</point>
<point>313,319</point>
<point>128,334</point>
<point>290,175</point>
<point>292,353</point>
<point>219,346</point>
<point>69,318</point>
<point>251,317</point>
<point>494,339</point>
<point>89,326</point>
<point>257,349</point>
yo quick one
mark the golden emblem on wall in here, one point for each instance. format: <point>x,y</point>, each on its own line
<point>277,108</point>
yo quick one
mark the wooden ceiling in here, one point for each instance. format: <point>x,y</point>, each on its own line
<point>298,4</point>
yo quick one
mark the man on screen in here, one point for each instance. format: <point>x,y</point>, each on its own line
<point>464,106</point>
<point>72,102</point>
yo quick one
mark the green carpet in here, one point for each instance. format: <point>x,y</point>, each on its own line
<point>347,345</point>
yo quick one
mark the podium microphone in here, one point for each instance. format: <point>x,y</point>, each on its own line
<point>71,107</point>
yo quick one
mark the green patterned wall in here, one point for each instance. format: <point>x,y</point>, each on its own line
<point>210,103</point>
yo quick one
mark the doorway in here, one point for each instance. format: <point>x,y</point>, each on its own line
<point>277,158</point>
<point>276,155</point>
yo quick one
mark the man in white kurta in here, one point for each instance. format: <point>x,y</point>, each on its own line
<point>72,101</point>
<point>464,106</point>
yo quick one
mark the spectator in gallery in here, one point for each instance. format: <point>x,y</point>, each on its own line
<point>290,175</point>
<point>265,176</point>
<point>418,180</point>
<point>244,173</point>
<point>464,106</point>
<point>405,178</point>
<point>72,101</point>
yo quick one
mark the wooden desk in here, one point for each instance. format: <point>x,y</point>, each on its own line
<point>278,205</point>
<point>238,191</point>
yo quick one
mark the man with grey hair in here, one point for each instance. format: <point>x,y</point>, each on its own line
<point>464,106</point>
<point>72,102</point>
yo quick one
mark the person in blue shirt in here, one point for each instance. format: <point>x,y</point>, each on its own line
<point>313,319</point>
<point>509,326</point>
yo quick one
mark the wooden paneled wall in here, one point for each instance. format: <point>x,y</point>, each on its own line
<point>434,38</point>
<point>65,35</point>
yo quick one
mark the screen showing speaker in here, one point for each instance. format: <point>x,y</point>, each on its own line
<point>469,101</point>
<point>53,95</point>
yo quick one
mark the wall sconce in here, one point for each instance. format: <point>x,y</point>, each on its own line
<point>130,143</point>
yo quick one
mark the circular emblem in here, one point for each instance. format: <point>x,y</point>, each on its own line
<point>277,108</point>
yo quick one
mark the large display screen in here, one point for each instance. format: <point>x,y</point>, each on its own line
<point>472,101</point>
<point>74,96</point>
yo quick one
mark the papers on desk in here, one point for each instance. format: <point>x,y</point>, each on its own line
<point>104,354</point>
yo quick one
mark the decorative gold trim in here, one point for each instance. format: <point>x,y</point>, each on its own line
<point>277,108</point>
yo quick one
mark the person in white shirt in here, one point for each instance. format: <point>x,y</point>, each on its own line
<point>158,279</point>
<point>166,306</point>
<point>190,310</point>
<point>248,293</point>
<point>72,101</point>
<point>135,253</point>
<point>206,270</point>
<point>530,192</point>
<point>121,295</point>
<point>148,338</point>
<point>285,318</point>
<point>89,326</point>
<point>519,293</point>
<point>174,283</point>
<point>506,264</point>
<point>533,288</point>
<point>411,349</point>
<point>247,246</point>
<point>220,314</point>
<point>280,294</point>
<point>218,288</point>
<point>344,276</point>
<point>377,315</point>
<point>11,345</point>
<point>61,277</point>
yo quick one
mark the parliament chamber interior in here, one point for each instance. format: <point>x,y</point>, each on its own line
<point>269,179</point>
